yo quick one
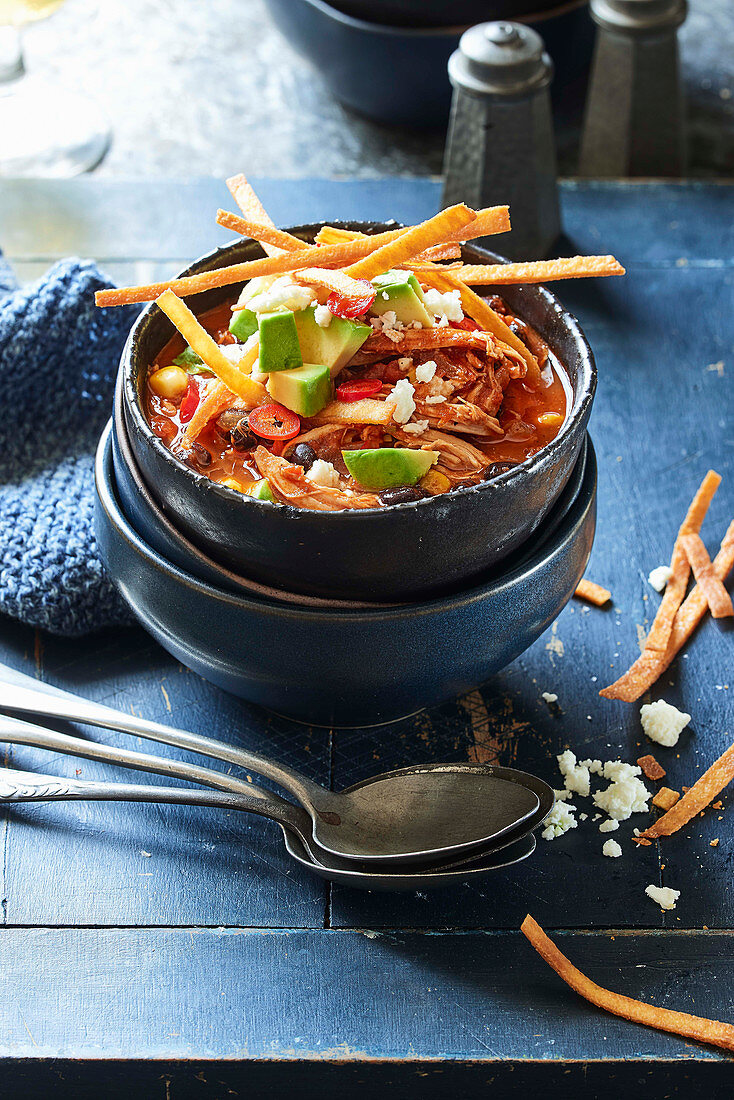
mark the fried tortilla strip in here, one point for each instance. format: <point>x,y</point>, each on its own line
<point>254,211</point>
<point>333,280</point>
<point>366,411</point>
<point>413,241</point>
<point>540,271</point>
<point>252,393</point>
<point>490,220</point>
<point>275,239</point>
<point>649,665</point>
<point>219,398</point>
<point>594,593</point>
<point>696,798</point>
<point>378,345</point>
<point>711,585</point>
<point>651,768</point>
<point>481,312</point>
<point>694,607</point>
<point>638,1012</point>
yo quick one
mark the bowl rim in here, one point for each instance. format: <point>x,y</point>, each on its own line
<point>580,406</point>
<point>567,531</point>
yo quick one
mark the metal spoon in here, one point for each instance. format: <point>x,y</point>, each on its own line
<point>19,786</point>
<point>418,814</point>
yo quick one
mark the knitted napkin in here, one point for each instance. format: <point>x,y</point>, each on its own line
<point>58,360</point>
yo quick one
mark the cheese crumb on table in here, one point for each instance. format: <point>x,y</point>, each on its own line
<point>609,825</point>
<point>659,577</point>
<point>612,849</point>
<point>626,794</point>
<point>404,404</point>
<point>550,697</point>
<point>663,895</point>
<point>323,473</point>
<point>662,722</point>
<point>576,776</point>
<point>559,821</point>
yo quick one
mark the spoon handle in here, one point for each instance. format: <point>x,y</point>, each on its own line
<point>19,692</point>
<point>17,732</point>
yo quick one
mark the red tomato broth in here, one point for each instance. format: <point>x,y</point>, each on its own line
<point>520,404</point>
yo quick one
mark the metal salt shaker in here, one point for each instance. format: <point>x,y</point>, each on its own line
<point>634,124</point>
<point>500,148</point>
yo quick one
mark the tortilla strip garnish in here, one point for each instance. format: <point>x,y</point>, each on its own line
<point>254,211</point>
<point>489,221</point>
<point>696,798</point>
<point>594,593</point>
<point>259,231</point>
<point>218,399</point>
<point>334,256</point>
<point>210,352</point>
<point>638,1012</point>
<point>366,411</point>
<point>422,339</point>
<point>333,280</point>
<point>540,271</point>
<point>413,241</point>
<point>481,312</point>
<point>650,664</point>
<point>711,585</point>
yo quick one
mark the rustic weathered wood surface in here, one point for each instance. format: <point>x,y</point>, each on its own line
<point>164,940</point>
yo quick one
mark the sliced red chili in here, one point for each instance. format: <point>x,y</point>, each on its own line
<point>350,306</point>
<point>361,387</point>
<point>189,402</point>
<point>466,323</point>
<point>274,422</point>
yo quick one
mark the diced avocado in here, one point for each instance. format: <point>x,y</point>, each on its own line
<point>279,347</point>
<point>243,324</point>
<point>385,467</point>
<point>332,346</point>
<point>401,292</point>
<point>261,490</point>
<point>305,390</point>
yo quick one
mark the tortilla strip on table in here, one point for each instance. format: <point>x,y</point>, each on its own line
<point>594,593</point>
<point>695,799</point>
<point>649,665</point>
<point>698,1028</point>
<point>711,585</point>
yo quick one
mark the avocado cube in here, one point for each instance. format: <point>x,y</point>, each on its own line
<point>279,347</point>
<point>401,292</point>
<point>304,390</point>
<point>386,467</point>
<point>332,346</point>
<point>243,324</point>
<point>261,490</point>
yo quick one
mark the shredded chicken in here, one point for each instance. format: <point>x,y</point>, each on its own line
<point>379,346</point>
<point>291,483</point>
<point>457,455</point>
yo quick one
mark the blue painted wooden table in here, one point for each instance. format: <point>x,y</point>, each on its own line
<point>180,951</point>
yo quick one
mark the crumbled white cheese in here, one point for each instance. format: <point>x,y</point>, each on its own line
<point>550,696</point>
<point>322,315</point>
<point>389,325</point>
<point>435,399</point>
<point>233,352</point>
<point>626,794</point>
<point>595,766</point>
<point>583,817</point>
<point>563,795</point>
<point>663,895</point>
<point>576,776</point>
<point>424,372</point>
<point>403,393</point>
<point>416,427</point>
<point>447,306</point>
<point>323,473</point>
<point>283,294</point>
<point>663,722</point>
<point>559,821</point>
<point>612,849</point>
<point>659,577</point>
<point>609,825</point>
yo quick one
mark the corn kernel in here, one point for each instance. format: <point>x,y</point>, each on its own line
<point>550,420</point>
<point>169,382</point>
<point>435,482</point>
<point>232,484</point>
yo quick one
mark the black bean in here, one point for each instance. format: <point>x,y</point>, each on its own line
<point>193,454</point>
<point>496,468</point>
<point>228,419</point>
<point>241,438</point>
<point>402,494</point>
<point>304,455</point>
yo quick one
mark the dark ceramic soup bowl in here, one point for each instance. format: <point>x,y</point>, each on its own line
<point>380,554</point>
<point>343,667</point>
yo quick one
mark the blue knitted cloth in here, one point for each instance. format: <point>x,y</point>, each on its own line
<point>58,360</point>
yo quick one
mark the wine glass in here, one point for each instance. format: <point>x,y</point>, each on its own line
<point>47,130</point>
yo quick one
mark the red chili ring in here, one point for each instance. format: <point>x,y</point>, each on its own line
<point>359,388</point>
<point>273,421</point>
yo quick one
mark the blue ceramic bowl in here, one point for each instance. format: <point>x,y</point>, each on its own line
<point>344,667</point>
<point>397,75</point>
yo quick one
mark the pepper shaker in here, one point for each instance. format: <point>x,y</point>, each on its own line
<point>634,122</point>
<point>500,147</point>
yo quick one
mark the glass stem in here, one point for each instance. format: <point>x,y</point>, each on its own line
<point>11,56</point>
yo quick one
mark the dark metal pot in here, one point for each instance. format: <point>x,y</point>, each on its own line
<point>376,554</point>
